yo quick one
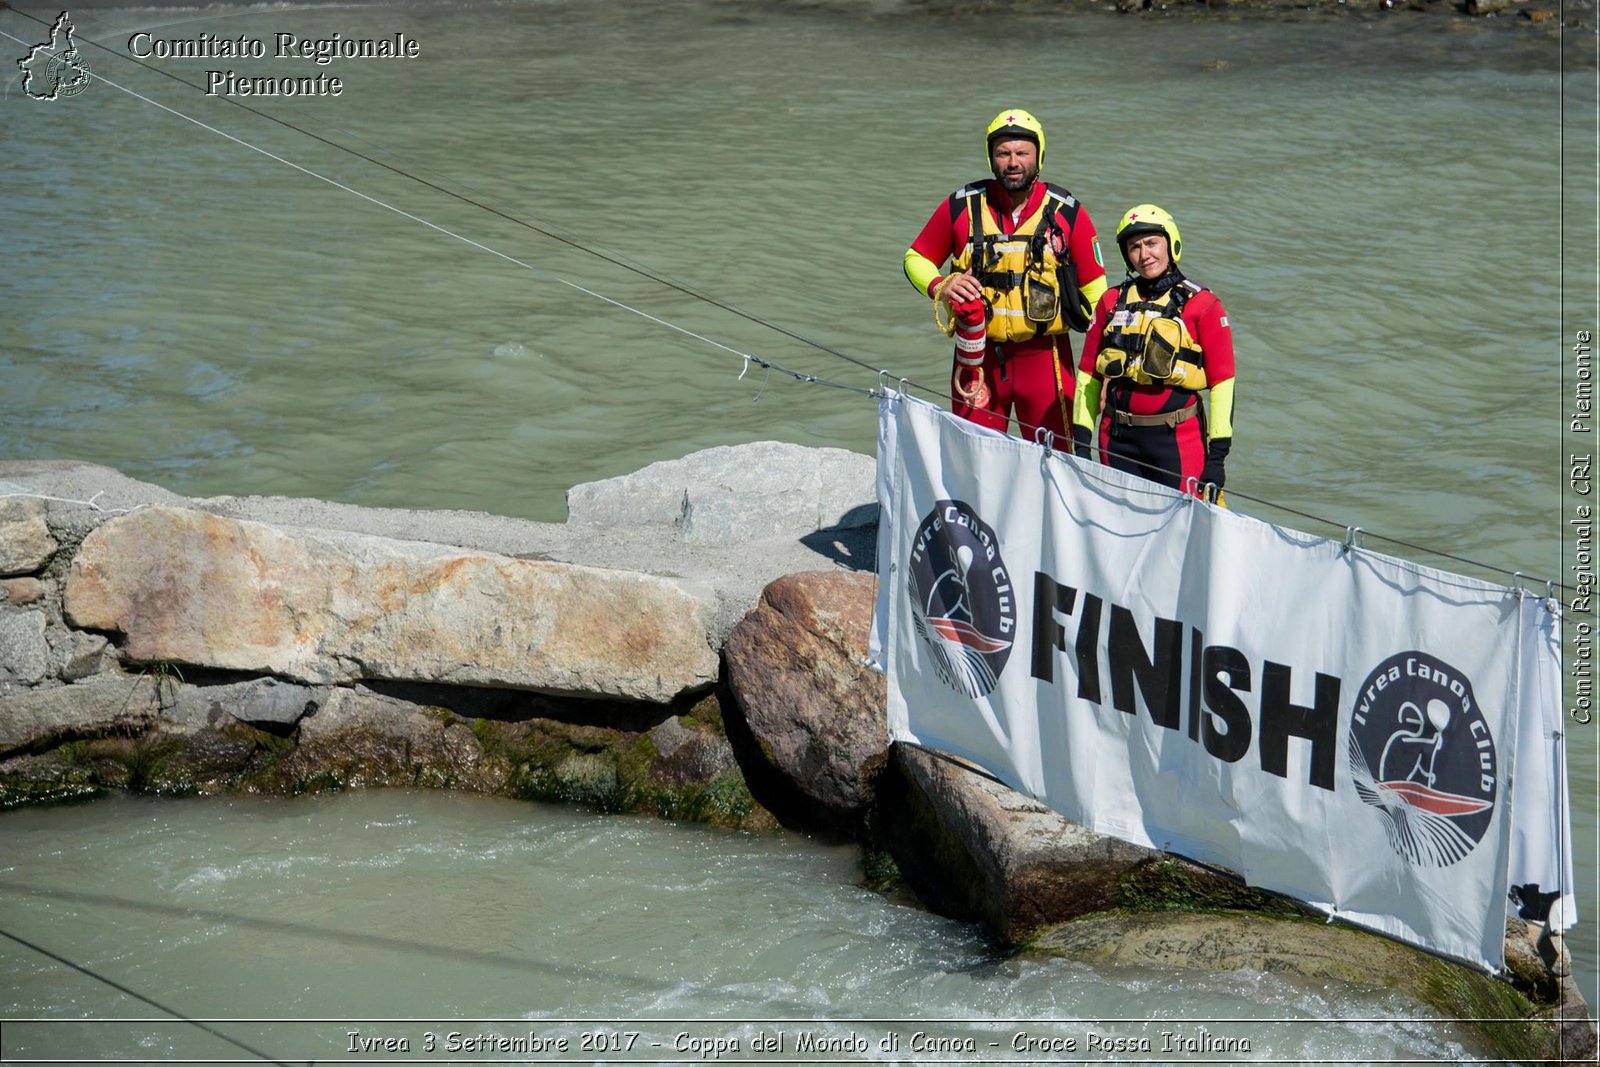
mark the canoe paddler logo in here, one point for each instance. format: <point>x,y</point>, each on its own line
<point>961,599</point>
<point>1422,755</point>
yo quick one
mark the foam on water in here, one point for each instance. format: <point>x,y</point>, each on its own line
<point>400,905</point>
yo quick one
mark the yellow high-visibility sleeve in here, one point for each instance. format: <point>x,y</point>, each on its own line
<point>1093,291</point>
<point>920,270</point>
<point>1222,409</point>
<point>1086,401</point>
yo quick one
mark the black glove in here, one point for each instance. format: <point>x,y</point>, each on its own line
<point>1081,438</point>
<point>1216,456</point>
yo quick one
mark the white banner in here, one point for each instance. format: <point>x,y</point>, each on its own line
<point>1333,724</point>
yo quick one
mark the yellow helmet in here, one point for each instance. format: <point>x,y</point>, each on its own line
<point>1147,218</point>
<point>1014,124</point>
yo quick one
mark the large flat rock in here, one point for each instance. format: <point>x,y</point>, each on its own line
<point>736,494</point>
<point>788,529</point>
<point>324,607</point>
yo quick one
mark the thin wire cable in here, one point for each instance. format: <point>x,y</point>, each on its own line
<point>1332,524</point>
<point>1441,553</point>
<point>654,276</point>
<point>1024,427</point>
<point>749,357</point>
<point>141,998</point>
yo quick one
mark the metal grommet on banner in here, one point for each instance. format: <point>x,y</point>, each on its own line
<point>1516,583</point>
<point>1351,533</point>
<point>1045,437</point>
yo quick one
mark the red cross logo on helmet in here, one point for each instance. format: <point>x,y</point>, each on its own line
<point>1018,123</point>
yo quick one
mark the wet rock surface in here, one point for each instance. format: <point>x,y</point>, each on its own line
<point>1506,1021</point>
<point>975,849</point>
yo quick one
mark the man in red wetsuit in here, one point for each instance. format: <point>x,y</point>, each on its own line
<point>1025,267</point>
<point>1157,341</point>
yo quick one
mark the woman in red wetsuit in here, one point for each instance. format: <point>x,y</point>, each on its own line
<point>1157,342</point>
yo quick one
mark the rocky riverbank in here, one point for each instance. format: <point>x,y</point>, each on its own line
<point>173,646</point>
<point>1324,38</point>
<point>1538,19</point>
<point>691,643</point>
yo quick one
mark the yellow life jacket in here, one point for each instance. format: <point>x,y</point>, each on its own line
<point>1147,341</point>
<point>1029,289</point>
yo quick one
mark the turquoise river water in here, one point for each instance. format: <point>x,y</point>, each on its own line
<point>1399,214</point>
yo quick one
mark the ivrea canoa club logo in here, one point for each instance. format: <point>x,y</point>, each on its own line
<point>1422,755</point>
<point>961,598</point>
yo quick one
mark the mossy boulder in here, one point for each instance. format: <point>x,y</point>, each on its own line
<point>680,768</point>
<point>974,849</point>
<point>1503,1018</point>
<point>159,761</point>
